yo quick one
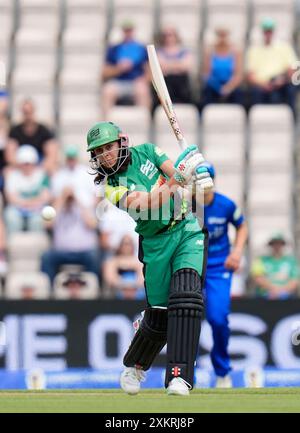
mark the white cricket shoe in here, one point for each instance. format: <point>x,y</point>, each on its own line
<point>224,382</point>
<point>178,386</point>
<point>131,379</point>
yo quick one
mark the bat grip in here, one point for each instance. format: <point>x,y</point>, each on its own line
<point>182,143</point>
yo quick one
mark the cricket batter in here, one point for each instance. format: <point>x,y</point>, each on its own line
<point>145,183</point>
<point>219,212</point>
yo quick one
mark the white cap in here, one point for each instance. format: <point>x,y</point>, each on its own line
<point>27,154</point>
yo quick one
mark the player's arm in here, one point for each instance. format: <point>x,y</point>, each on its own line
<point>234,258</point>
<point>241,238</point>
<point>142,200</point>
<point>179,174</point>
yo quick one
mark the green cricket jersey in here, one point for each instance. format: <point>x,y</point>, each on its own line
<point>143,174</point>
<point>278,271</point>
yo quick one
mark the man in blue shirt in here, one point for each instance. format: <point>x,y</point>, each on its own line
<point>219,212</point>
<point>124,72</point>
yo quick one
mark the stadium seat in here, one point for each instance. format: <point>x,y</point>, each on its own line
<point>79,109</point>
<point>282,12</point>
<point>34,72</point>
<point>81,71</point>
<point>140,13</point>
<point>134,121</point>
<point>40,5</point>
<point>27,245</point>
<point>185,16</point>
<point>38,31</point>
<point>89,291</point>
<point>263,225</point>
<point>231,184</point>
<point>270,190</point>
<point>6,24</point>
<point>23,265</point>
<point>223,135</point>
<point>85,4</point>
<point>164,137</point>
<point>85,30</point>
<point>271,136</point>
<point>223,144</point>
<point>28,285</point>
<point>270,159</point>
<point>231,14</point>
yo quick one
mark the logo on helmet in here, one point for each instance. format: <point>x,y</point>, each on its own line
<point>95,133</point>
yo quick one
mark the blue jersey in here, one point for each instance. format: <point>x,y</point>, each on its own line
<point>217,216</point>
<point>129,50</point>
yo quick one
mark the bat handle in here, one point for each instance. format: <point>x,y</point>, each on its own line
<point>182,143</point>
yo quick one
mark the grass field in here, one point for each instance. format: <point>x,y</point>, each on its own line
<point>149,401</point>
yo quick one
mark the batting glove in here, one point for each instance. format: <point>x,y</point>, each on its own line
<point>186,164</point>
<point>202,178</point>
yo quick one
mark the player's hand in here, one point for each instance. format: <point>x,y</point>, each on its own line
<point>226,90</point>
<point>186,164</point>
<point>202,178</point>
<point>190,150</point>
<point>233,261</point>
<point>125,65</point>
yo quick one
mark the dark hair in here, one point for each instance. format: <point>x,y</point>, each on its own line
<point>161,36</point>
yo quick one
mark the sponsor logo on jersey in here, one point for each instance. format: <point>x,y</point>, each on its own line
<point>216,220</point>
<point>158,151</point>
<point>148,169</point>
<point>199,242</point>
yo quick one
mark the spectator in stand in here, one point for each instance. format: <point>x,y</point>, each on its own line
<point>3,131</point>
<point>26,192</point>
<point>176,62</point>
<point>3,260</point>
<point>114,225</point>
<point>124,72</point>
<point>276,274</point>
<point>270,68</point>
<point>74,236</point>
<point>38,135</point>
<point>222,71</point>
<point>3,141</point>
<point>129,289</point>
<point>124,271</point>
<point>74,284</point>
<point>3,103</point>
<point>74,174</point>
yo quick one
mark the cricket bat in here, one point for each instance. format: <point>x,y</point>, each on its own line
<point>161,89</point>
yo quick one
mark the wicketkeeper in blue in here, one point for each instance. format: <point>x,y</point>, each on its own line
<point>223,260</point>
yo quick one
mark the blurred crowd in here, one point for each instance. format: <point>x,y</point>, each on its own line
<point>86,250</point>
<point>261,75</point>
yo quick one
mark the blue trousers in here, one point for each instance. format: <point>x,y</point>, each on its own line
<point>284,95</point>
<point>217,300</point>
<point>53,259</point>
